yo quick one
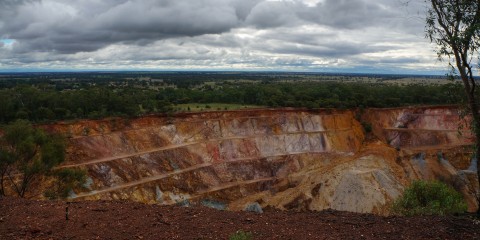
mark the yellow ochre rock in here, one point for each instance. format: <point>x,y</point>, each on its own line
<point>282,158</point>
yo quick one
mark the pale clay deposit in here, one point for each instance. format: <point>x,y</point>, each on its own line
<point>287,159</point>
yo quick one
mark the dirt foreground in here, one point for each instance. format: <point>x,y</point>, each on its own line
<point>27,219</point>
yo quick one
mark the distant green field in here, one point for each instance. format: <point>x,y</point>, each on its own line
<point>197,107</point>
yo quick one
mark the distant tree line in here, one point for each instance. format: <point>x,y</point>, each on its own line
<point>41,103</point>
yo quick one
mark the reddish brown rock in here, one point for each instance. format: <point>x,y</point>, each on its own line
<point>285,158</point>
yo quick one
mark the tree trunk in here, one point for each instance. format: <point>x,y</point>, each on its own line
<point>2,187</point>
<point>476,130</point>
<point>3,175</point>
<point>473,106</point>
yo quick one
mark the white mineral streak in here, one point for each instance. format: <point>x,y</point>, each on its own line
<point>286,159</point>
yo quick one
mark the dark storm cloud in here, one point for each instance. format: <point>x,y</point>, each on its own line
<point>205,33</point>
<point>82,26</point>
<point>399,60</point>
<point>67,27</point>
<point>340,14</point>
<point>347,13</point>
<point>327,50</point>
<point>274,14</point>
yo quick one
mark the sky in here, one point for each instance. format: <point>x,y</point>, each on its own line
<point>365,36</point>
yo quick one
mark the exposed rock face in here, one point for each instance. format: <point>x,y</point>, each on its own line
<point>420,127</point>
<point>288,159</point>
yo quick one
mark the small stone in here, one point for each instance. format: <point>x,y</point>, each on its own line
<point>254,207</point>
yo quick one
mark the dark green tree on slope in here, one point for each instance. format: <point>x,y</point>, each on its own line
<point>28,155</point>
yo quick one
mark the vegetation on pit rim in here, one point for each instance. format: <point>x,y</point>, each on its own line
<point>241,235</point>
<point>52,100</point>
<point>429,198</point>
<point>198,107</point>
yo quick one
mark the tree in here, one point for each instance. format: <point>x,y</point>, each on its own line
<point>67,179</point>
<point>6,162</point>
<point>454,26</point>
<point>429,198</point>
<point>27,154</point>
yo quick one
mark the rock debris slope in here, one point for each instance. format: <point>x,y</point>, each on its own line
<point>287,159</point>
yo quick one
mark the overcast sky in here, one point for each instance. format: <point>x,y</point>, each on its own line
<point>286,35</point>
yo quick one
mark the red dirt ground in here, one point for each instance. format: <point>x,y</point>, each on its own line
<point>27,219</point>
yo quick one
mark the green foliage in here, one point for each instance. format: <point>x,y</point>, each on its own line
<point>6,161</point>
<point>49,104</point>
<point>66,180</point>
<point>219,106</point>
<point>429,198</point>
<point>454,26</point>
<point>27,154</point>
<point>241,235</point>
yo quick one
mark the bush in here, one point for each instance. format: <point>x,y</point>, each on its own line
<point>28,151</point>
<point>241,235</point>
<point>66,181</point>
<point>429,198</point>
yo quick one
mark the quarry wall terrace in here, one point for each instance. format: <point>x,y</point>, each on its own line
<point>283,158</point>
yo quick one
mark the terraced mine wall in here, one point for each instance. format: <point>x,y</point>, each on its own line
<point>282,158</point>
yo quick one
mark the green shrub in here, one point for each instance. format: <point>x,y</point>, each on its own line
<point>241,235</point>
<point>66,181</point>
<point>429,198</point>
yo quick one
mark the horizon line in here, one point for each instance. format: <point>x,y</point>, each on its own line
<point>40,71</point>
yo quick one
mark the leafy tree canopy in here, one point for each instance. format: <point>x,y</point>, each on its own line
<point>27,155</point>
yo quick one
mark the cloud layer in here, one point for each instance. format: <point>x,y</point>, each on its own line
<point>213,34</point>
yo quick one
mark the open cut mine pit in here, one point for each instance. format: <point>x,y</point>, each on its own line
<point>282,158</point>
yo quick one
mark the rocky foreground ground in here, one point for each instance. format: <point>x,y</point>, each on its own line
<point>27,219</point>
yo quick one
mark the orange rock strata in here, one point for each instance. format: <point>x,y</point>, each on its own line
<point>284,158</point>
